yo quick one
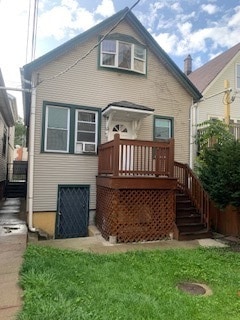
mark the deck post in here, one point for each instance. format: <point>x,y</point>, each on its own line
<point>116,145</point>
<point>171,158</point>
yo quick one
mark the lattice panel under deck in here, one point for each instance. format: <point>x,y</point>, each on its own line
<point>135,214</point>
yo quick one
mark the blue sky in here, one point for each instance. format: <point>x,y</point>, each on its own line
<point>202,28</point>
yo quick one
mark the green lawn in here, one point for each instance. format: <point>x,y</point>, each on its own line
<point>60,284</point>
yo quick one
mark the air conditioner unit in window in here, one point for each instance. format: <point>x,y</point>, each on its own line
<point>89,148</point>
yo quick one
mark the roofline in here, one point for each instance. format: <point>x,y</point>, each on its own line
<point>28,69</point>
<point>6,110</point>
<point>170,64</point>
<point>65,47</point>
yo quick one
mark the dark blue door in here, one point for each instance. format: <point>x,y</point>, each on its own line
<point>73,211</point>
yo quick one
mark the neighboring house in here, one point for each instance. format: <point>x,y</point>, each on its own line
<point>8,116</point>
<point>210,80</point>
<point>84,92</point>
<point>20,153</point>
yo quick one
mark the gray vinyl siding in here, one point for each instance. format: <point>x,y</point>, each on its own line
<point>87,85</point>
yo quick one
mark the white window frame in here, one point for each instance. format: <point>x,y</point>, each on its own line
<point>46,129</point>
<point>133,57</point>
<point>80,147</point>
<point>238,76</point>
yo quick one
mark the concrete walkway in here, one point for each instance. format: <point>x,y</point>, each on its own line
<point>97,244</point>
<point>13,240</point>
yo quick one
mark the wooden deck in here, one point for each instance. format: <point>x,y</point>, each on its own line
<point>136,191</point>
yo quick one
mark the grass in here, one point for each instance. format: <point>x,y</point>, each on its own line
<point>60,284</point>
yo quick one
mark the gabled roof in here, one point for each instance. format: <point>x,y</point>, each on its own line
<point>204,75</point>
<point>96,30</point>
<point>129,105</point>
<point>126,111</point>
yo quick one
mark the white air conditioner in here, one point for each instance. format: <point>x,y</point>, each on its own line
<point>88,147</point>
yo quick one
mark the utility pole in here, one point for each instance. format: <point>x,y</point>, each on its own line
<point>227,102</point>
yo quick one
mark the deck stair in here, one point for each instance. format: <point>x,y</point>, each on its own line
<point>189,225</point>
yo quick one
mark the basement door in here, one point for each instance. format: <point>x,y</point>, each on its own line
<point>72,211</point>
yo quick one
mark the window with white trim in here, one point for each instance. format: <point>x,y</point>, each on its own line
<point>123,55</point>
<point>70,129</point>
<point>57,129</point>
<point>238,76</point>
<point>86,131</point>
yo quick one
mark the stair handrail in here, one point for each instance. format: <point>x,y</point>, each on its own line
<point>189,183</point>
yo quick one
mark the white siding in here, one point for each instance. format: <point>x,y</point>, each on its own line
<point>214,106</point>
<point>87,85</point>
<point>3,159</point>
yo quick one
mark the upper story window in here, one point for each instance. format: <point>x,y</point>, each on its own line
<point>238,76</point>
<point>70,129</point>
<point>123,55</point>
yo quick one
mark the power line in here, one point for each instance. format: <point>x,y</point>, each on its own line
<point>95,46</point>
<point>34,33</point>
<point>28,30</point>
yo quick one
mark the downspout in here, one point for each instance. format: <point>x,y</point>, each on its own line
<point>31,159</point>
<point>193,132</point>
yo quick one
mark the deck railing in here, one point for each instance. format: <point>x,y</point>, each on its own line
<point>121,157</point>
<point>190,184</point>
<point>17,171</point>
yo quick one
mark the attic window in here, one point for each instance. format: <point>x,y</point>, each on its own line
<point>123,55</point>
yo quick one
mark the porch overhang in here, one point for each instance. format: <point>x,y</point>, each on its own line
<point>126,111</point>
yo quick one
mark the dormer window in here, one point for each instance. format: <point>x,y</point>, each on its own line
<point>123,55</point>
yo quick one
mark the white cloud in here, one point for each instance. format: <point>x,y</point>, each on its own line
<point>185,28</point>
<point>166,41</point>
<point>13,39</point>
<point>235,19</point>
<point>209,8</point>
<point>106,8</point>
<point>64,18</point>
<point>176,7</point>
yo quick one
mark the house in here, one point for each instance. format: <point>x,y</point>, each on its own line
<point>212,80</point>
<point>102,113</point>
<point>8,116</point>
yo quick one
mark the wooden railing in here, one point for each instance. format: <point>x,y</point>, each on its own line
<point>190,184</point>
<point>121,157</point>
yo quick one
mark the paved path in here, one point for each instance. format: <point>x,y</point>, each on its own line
<point>13,240</point>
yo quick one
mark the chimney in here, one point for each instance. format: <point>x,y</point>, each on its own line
<point>188,65</point>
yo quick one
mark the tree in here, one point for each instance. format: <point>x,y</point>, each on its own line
<point>218,165</point>
<point>220,173</point>
<point>212,132</point>
<point>20,133</point>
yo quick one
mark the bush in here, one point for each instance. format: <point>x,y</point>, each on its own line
<point>219,171</point>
